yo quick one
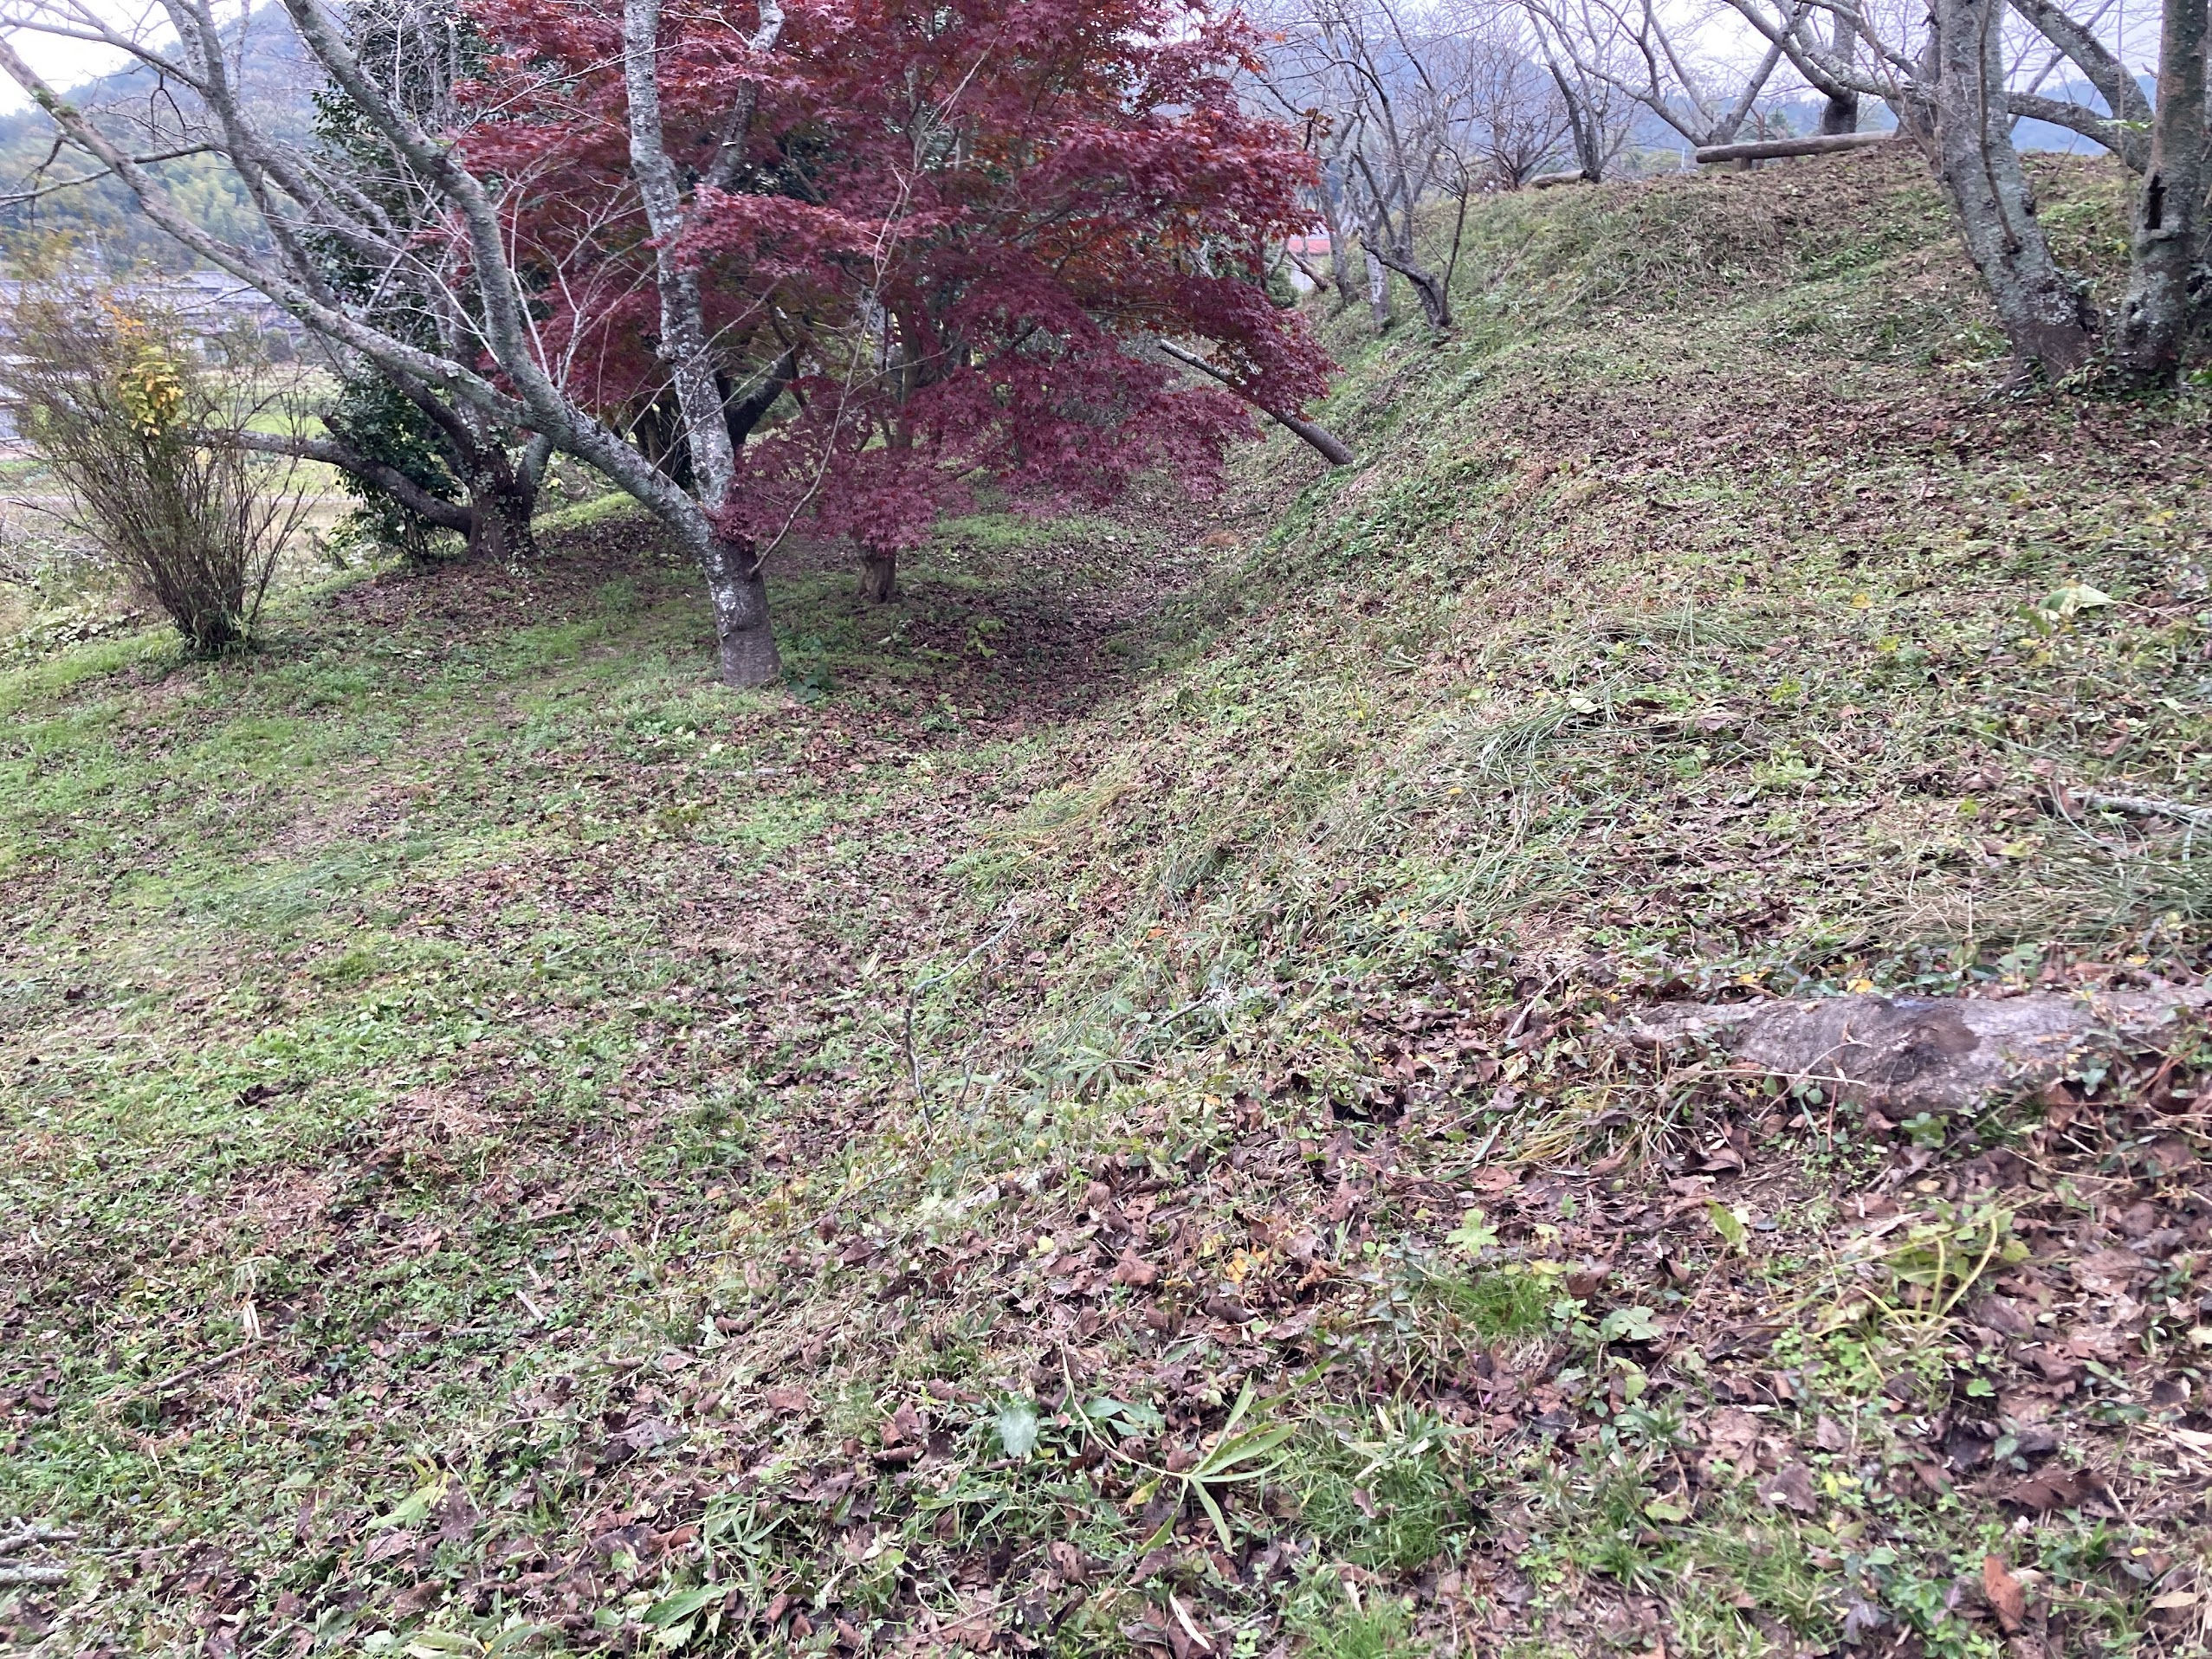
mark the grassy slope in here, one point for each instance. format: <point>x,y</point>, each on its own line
<point>518,1026</point>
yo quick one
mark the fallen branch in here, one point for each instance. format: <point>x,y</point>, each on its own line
<point>25,1534</point>
<point>28,1532</point>
<point>1321,439</point>
<point>2145,806</point>
<point>1774,149</point>
<point>190,1374</point>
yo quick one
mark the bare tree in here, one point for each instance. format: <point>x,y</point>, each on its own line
<point>417,52</point>
<point>1655,59</point>
<point>1947,80</point>
<point>1517,111</point>
<point>1590,105</point>
<point>486,358</point>
<point>1412,109</point>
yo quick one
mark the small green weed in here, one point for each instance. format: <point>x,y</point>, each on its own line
<point>1390,1491</point>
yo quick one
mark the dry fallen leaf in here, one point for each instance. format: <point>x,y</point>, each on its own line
<point>2007,1599</point>
<point>2106,1273</point>
<point>1792,1489</point>
<point>1134,1271</point>
<point>1732,1433</point>
<point>2052,1490</point>
<point>1068,1560</point>
<point>787,1400</point>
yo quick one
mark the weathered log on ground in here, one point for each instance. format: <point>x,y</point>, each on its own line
<point>1927,1054</point>
<point>1775,149</point>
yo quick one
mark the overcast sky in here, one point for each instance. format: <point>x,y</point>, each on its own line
<point>2131,24</point>
<point>64,63</point>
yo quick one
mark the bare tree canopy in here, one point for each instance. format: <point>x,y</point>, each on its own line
<point>379,239</point>
<point>1412,106</point>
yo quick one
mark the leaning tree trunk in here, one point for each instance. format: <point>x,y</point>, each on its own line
<point>2155,317</point>
<point>1428,288</point>
<point>747,644</point>
<point>2044,314</point>
<point>879,576</point>
<point>1436,304</point>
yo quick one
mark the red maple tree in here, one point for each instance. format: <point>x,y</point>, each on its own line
<point>948,236</point>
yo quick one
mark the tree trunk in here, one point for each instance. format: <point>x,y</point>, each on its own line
<point>499,520</point>
<point>1378,292</point>
<point>746,643</point>
<point>879,576</point>
<point>1332,448</point>
<point>1340,265</point>
<point>1839,114</point>
<point>2155,317</point>
<point>2043,313</point>
<point>501,499</point>
<point>1428,289</point>
<point>1582,127</point>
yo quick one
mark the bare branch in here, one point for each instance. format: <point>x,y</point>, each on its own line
<point>1332,448</point>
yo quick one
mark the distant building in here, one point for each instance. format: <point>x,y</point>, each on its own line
<point>1310,250</point>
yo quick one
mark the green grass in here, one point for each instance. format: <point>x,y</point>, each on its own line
<point>614,1099</point>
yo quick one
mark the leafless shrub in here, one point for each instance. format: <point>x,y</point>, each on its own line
<point>143,439</point>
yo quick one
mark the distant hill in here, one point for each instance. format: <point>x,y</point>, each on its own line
<point>279,80</point>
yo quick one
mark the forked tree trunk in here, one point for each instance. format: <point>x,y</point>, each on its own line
<point>2155,317</point>
<point>879,576</point>
<point>1582,127</point>
<point>2045,316</point>
<point>747,645</point>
